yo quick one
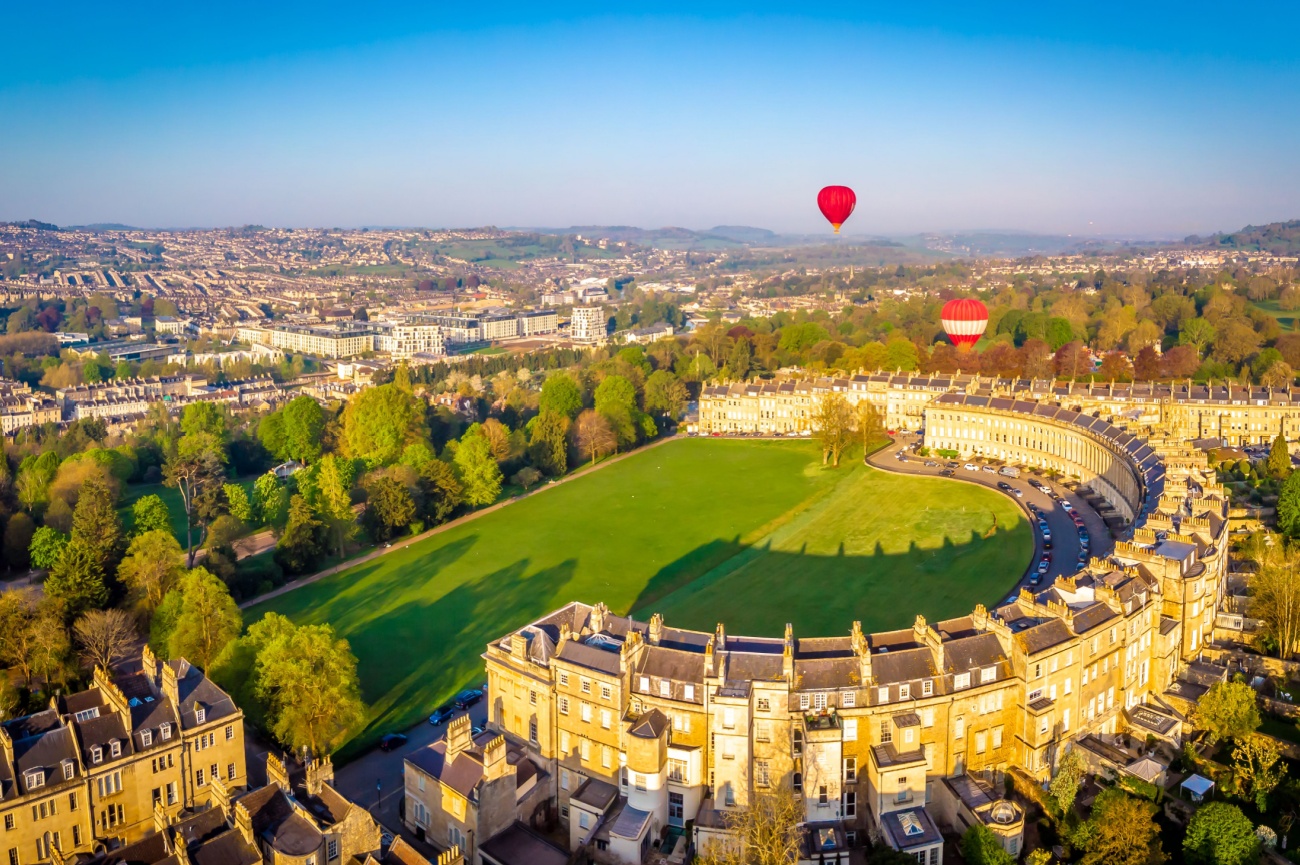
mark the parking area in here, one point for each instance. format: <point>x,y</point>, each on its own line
<point>1067,531</point>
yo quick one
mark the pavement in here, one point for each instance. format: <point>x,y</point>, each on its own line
<point>1065,537</point>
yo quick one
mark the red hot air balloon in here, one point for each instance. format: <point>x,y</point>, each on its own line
<point>964,319</point>
<point>836,203</point>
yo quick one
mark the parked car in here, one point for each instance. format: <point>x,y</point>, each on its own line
<point>950,465</point>
<point>971,467</point>
<point>1066,504</point>
<point>947,473</point>
<point>1004,486</point>
<point>989,469</point>
<point>929,464</point>
<point>1009,471</point>
<point>442,715</point>
<point>1018,493</point>
<point>1043,566</point>
<point>1035,579</point>
<point>465,699</point>
<point>392,742</point>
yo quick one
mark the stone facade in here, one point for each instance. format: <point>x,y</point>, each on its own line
<point>888,735</point>
<point>98,767</point>
<point>1238,415</point>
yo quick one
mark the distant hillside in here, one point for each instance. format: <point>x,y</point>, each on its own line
<point>104,226</point>
<point>1276,238</point>
<point>1005,244</point>
<point>34,223</point>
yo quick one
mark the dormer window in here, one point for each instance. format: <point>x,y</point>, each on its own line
<point>200,714</point>
<point>115,748</point>
<point>961,680</point>
<point>146,738</point>
<point>165,730</point>
<point>988,674</point>
<point>69,769</point>
<point>96,754</point>
<point>35,779</point>
<point>664,688</point>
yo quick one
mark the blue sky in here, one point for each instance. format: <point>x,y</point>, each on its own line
<point>1090,119</point>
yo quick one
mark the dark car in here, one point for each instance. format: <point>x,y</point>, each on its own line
<point>465,699</point>
<point>441,715</point>
<point>950,465</point>
<point>392,742</point>
<point>947,473</point>
<point>1004,486</point>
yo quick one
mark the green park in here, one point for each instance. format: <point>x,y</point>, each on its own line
<point>754,533</point>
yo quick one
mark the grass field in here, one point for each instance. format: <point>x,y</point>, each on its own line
<point>1286,318</point>
<point>753,533</point>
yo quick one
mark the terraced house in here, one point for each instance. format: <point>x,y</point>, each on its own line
<point>97,768</point>
<point>635,728</point>
<point>1236,414</point>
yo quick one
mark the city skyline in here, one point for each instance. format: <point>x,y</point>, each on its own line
<point>1158,123</point>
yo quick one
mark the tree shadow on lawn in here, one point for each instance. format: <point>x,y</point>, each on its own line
<point>757,589</point>
<point>416,656</point>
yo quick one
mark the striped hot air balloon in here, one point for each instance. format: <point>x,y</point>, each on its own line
<point>964,320</point>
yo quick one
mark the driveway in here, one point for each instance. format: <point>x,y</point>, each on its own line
<point>1065,537</point>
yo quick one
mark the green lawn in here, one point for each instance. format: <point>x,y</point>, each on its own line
<point>753,533</point>
<point>1285,317</point>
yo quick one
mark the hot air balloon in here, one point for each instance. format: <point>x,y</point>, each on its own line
<point>964,320</point>
<point>836,203</point>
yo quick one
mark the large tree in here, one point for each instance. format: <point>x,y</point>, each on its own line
<point>1279,458</point>
<point>870,425</point>
<point>1121,831</point>
<point>105,636</point>
<point>561,395</point>
<point>308,681</point>
<point>302,426</point>
<point>198,470</point>
<point>302,543</point>
<point>1219,834</point>
<point>150,514</point>
<point>1288,506</point>
<point>480,476</point>
<point>18,540</point>
<point>389,508</point>
<point>151,566</point>
<point>17,617</point>
<point>270,501</point>
<point>1064,787</point>
<point>207,621</point>
<point>1275,590</point>
<point>1229,710</point>
<point>593,436</point>
<point>95,523</point>
<point>47,547</point>
<point>615,400</point>
<point>665,394</point>
<point>333,500</point>
<point>834,421</point>
<point>77,581</point>
<point>548,442</point>
<point>768,832</point>
<point>378,423</point>
<point>1256,763</point>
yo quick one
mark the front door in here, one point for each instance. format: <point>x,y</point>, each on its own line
<point>675,809</point>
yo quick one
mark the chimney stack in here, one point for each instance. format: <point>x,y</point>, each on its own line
<point>459,737</point>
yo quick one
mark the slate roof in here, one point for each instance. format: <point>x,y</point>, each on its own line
<point>519,845</point>
<point>590,657</point>
<point>596,794</point>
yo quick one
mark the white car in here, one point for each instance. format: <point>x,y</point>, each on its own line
<point>971,467</point>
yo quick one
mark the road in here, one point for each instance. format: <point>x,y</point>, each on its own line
<point>1065,537</point>
<point>374,779</point>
